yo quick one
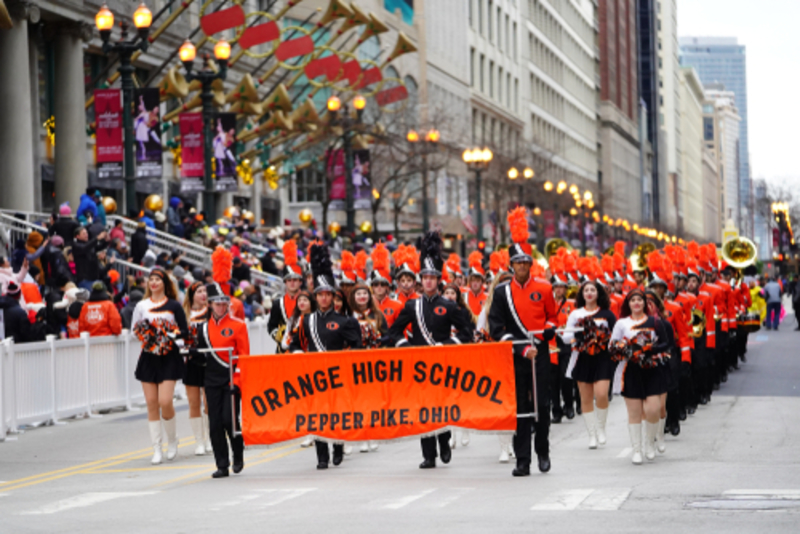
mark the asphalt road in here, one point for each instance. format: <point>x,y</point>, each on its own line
<point>734,468</point>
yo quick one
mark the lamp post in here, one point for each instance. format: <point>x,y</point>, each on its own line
<point>423,147</point>
<point>513,174</point>
<point>477,159</point>
<point>349,126</point>
<point>104,20</point>
<point>206,76</point>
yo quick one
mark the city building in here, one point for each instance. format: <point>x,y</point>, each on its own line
<point>650,109</point>
<point>620,142</point>
<point>712,218</point>
<point>692,146</point>
<point>721,134</point>
<point>723,60</point>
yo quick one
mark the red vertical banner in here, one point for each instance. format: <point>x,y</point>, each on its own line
<point>192,158</point>
<point>549,217</point>
<point>108,132</point>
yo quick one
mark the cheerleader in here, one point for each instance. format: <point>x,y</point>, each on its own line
<point>373,327</point>
<point>639,341</point>
<point>453,292</point>
<point>590,363</point>
<point>160,324</point>
<point>304,305</point>
<point>195,306</point>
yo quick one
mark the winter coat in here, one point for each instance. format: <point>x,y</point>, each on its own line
<point>87,266</point>
<point>33,244</point>
<point>127,312</point>
<point>99,316</point>
<point>15,320</point>
<point>65,227</point>
<point>87,205</point>
<point>139,245</point>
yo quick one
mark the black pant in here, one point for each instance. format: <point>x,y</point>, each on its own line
<point>561,387</point>
<point>525,405</point>
<point>429,444</point>
<point>220,424</point>
<point>687,386</point>
<point>323,453</point>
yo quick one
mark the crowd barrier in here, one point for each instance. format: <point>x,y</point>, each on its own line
<point>43,382</point>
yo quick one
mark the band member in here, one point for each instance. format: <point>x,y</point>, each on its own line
<point>283,306</point>
<point>590,363</point>
<point>160,324</point>
<point>519,307</point>
<point>453,293</point>
<point>708,259</point>
<point>705,342</point>
<point>195,305</point>
<point>474,293</point>
<point>560,385</point>
<point>432,319</point>
<point>347,278</point>
<point>688,302</point>
<point>305,304</point>
<point>406,260</point>
<point>641,343</point>
<point>325,330</point>
<point>380,281</point>
<point>223,331</point>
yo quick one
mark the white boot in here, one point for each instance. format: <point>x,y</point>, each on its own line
<point>171,430</point>
<point>453,442</point>
<point>505,446</point>
<point>197,429</point>
<point>661,445</point>
<point>590,418</point>
<point>602,416</point>
<point>207,434</point>
<point>364,446</point>
<point>373,446</point>
<point>650,431</point>
<point>155,439</point>
<point>348,449</point>
<point>635,432</point>
<point>309,441</point>
<point>465,437</point>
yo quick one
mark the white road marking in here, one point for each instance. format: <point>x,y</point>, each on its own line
<point>236,502</point>
<point>84,500</point>
<point>278,496</point>
<point>627,451</point>
<point>563,500</point>
<point>605,499</point>
<point>763,494</point>
<point>396,504</point>
<point>451,495</point>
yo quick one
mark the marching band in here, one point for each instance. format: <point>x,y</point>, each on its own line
<point>661,328</point>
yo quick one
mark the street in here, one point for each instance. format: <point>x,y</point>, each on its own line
<point>735,467</point>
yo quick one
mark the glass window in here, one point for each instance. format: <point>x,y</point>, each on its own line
<point>310,185</point>
<point>489,20</point>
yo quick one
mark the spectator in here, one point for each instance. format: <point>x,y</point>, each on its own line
<point>147,219</point>
<point>7,274</point>
<point>35,246</point>
<point>139,243</point>
<point>87,209</point>
<point>117,232</point>
<point>176,227</point>
<point>772,294</point>
<point>99,316</point>
<point>126,314</point>
<point>161,221</point>
<point>70,260</point>
<point>84,251</point>
<point>37,316</point>
<point>268,262</point>
<point>54,265</point>
<point>241,271</point>
<point>65,225</point>
<point>95,228</point>
<point>101,210</point>
<point>15,320</point>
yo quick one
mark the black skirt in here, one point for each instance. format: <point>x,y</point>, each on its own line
<point>595,368</point>
<point>639,383</point>
<point>155,369</point>
<point>195,374</point>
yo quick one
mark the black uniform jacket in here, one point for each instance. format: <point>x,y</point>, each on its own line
<point>326,331</point>
<point>432,320</point>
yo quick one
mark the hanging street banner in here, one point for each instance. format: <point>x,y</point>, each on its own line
<point>380,394</point>
<point>361,176</point>
<point>192,163</point>
<point>147,132</point>
<point>224,157</point>
<point>108,133</point>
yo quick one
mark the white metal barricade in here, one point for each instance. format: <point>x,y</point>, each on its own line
<point>43,382</point>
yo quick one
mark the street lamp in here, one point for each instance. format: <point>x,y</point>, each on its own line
<point>104,20</point>
<point>478,159</point>
<point>349,128</point>
<point>206,76</point>
<point>427,146</point>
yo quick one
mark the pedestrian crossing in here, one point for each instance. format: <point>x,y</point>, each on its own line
<point>84,500</point>
<point>604,499</point>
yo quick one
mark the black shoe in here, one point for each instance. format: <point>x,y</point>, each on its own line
<point>735,367</point>
<point>569,411</point>
<point>703,400</point>
<point>578,409</point>
<point>743,358</point>
<point>716,387</point>
<point>544,464</point>
<point>724,378</point>
<point>238,466</point>
<point>675,428</point>
<point>682,414</point>
<point>220,473</point>
<point>446,454</point>
<point>322,465</point>
<point>428,464</point>
<point>556,419</point>
<point>522,470</point>
<point>337,458</point>
<point>691,410</point>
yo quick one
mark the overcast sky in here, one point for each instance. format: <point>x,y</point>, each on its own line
<point>769,29</point>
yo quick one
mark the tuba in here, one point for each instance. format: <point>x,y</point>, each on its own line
<point>639,256</point>
<point>552,246</point>
<point>739,252</point>
<point>698,323</point>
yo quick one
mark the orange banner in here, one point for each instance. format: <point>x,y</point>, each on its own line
<point>377,394</point>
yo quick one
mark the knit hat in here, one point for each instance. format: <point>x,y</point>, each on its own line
<point>57,241</point>
<point>64,209</point>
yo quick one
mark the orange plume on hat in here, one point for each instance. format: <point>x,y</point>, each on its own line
<point>619,262</point>
<point>348,264</point>
<point>380,260</point>
<point>504,259</point>
<point>619,248</point>
<point>454,262</point>
<point>694,249</point>
<point>607,264</point>
<point>290,252</point>
<point>570,263</point>
<point>518,226</point>
<point>655,262</point>
<point>475,260</point>
<point>495,262</point>
<point>221,265</point>
<point>556,264</point>
<point>361,264</point>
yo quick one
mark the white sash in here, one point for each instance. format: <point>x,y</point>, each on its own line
<point>423,327</point>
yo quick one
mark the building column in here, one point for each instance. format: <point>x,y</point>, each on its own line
<point>16,134</point>
<point>70,149</point>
